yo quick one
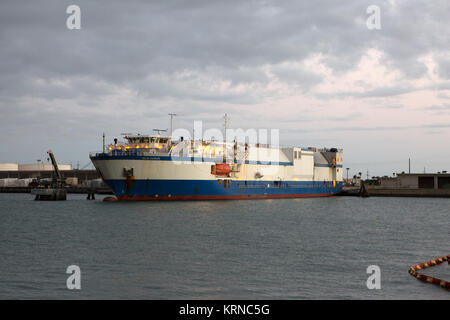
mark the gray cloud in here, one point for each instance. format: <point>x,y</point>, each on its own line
<point>445,107</point>
<point>133,62</point>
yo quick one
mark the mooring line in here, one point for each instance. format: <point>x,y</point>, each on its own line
<point>413,271</point>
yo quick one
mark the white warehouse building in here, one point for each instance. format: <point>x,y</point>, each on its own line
<point>13,167</point>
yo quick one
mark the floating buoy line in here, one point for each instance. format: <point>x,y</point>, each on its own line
<point>414,272</point>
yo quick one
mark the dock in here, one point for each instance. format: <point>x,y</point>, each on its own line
<point>49,194</point>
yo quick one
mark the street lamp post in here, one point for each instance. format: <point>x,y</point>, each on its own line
<point>39,167</point>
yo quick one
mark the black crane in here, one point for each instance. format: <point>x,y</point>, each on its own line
<point>59,181</point>
<point>54,191</point>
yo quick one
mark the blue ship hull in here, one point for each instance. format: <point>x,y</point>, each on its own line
<point>131,189</point>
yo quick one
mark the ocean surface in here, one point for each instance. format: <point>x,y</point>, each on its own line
<point>316,248</point>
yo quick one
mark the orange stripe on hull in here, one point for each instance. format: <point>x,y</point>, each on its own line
<point>223,197</point>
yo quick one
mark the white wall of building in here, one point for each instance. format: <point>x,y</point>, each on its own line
<point>43,167</point>
<point>9,167</point>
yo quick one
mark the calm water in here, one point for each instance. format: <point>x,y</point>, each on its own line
<point>248,249</point>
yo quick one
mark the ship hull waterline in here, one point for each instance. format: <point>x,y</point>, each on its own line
<point>176,190</point>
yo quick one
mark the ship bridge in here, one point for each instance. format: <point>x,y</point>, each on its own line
<point>146,143</point>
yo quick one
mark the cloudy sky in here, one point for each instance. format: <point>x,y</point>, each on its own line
<point>309,68</point>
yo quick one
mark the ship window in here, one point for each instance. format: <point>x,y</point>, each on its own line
<point>153,140</point>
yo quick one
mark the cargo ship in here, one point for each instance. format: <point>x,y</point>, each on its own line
<point>155,167</point>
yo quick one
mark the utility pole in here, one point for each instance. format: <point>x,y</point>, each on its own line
<point>103,142</point>
<point>409,165</point>
<point>347,173</point>
<point>171,122</point>
<point>39,167</point>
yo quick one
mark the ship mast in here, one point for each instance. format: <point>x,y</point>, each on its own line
<point>171,122</point>
<point>225,120</point>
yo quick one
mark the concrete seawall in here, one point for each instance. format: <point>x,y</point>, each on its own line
<point>350,192</point>
<point>391,192</point>
<point>427,193</point>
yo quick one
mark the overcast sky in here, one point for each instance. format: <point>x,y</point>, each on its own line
<point>309,68</point>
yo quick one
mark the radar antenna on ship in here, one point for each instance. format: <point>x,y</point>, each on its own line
<point>159,131</point>
<point>171,122</point>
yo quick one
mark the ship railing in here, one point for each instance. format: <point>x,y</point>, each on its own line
<point>95,154</point>
<point>130,152</point>
<point>330,150</point>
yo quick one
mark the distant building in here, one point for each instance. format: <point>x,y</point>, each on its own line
<point>389,183</point>
<point>417,181</point>
<point>32,167</point>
